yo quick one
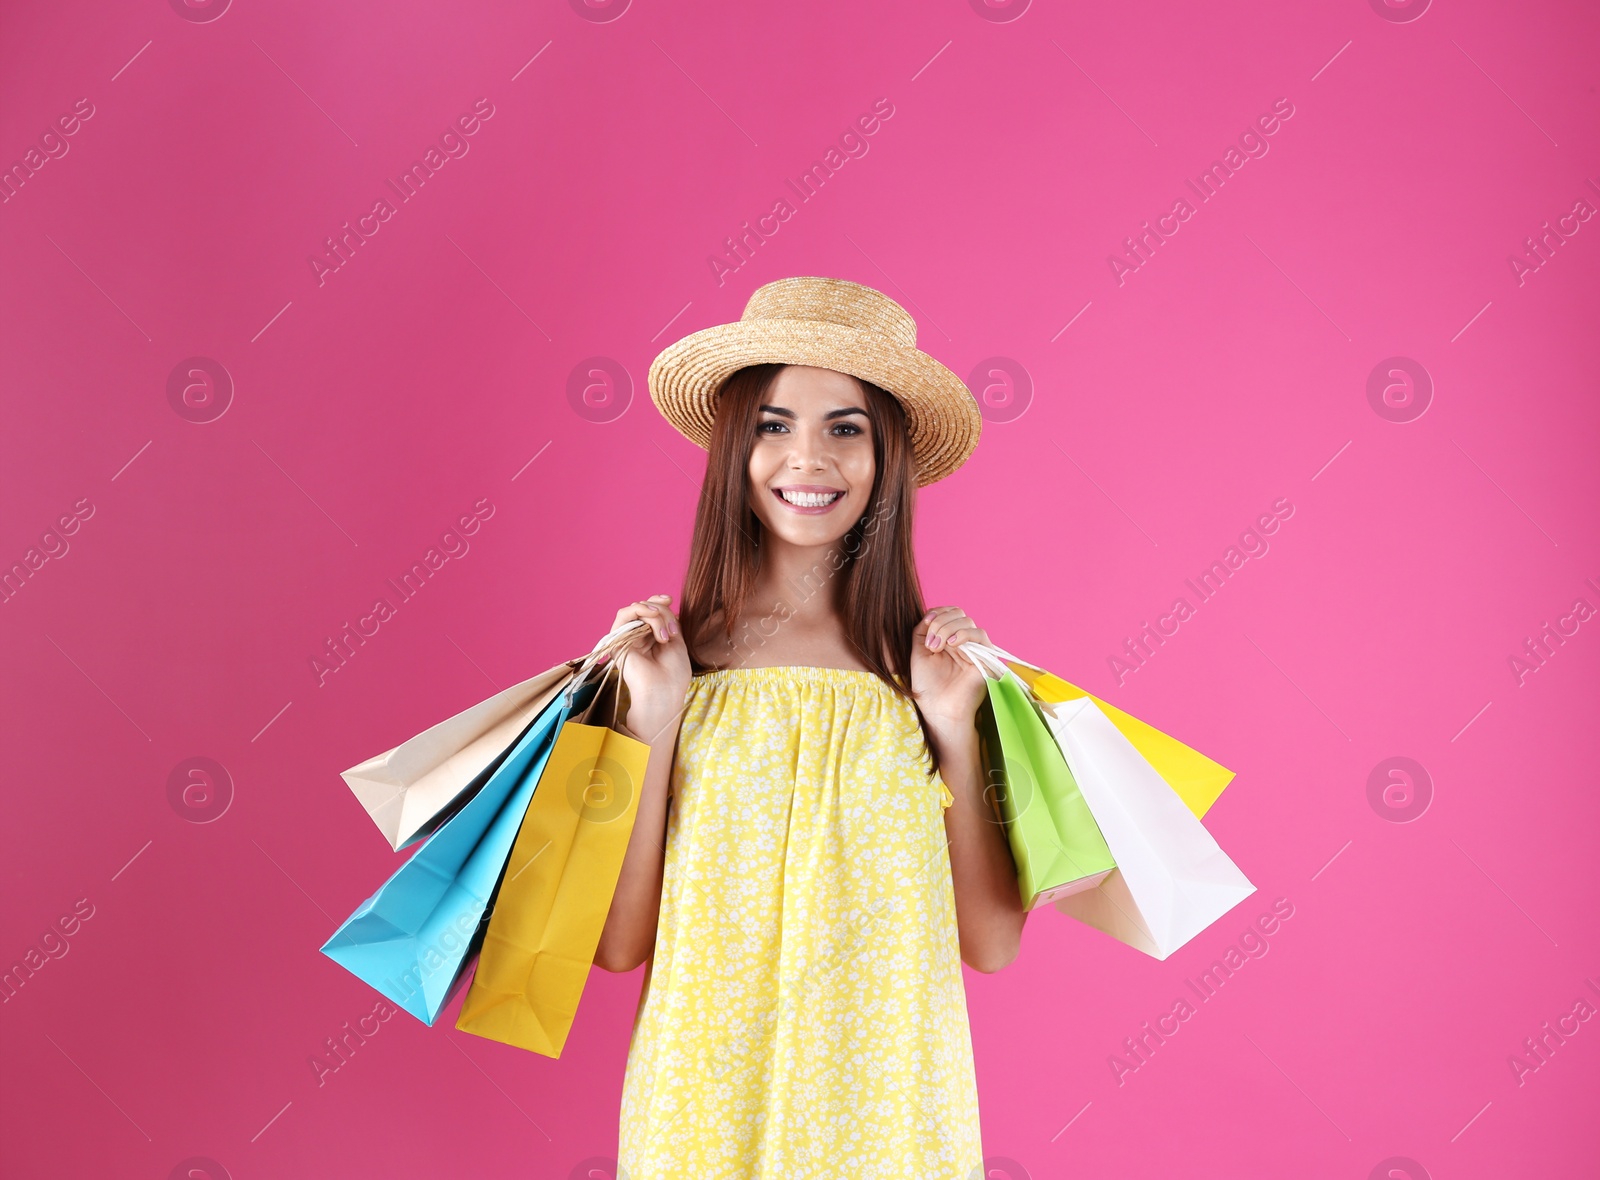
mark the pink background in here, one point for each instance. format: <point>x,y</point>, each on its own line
<point>431,370</point>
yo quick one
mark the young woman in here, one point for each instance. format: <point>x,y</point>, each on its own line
<point>814,853</point>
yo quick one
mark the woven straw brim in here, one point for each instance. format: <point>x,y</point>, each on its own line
<point>942,415</point>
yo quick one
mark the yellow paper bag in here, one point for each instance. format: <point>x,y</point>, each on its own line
<point>1197,779</point>
<point>557,890</point>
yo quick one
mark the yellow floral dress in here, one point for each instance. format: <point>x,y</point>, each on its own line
<point>803,1016</point>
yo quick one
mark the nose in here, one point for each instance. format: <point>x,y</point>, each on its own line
<point>806,452</point>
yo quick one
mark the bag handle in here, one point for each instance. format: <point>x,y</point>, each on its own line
<point>608,692</point>
<point>613,642</point>
<point>988,659</point>
<point>616,689</point>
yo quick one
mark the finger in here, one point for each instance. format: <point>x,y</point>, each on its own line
<point>636,641</point>
<point>649,611</point>
<point>663,612</point>
<point>926,624</point>
<point>634,610</point>
<point>945,626</point>
<point>635,637</point>
<point>969,634</point>
<point>657,610</point>
<point>669,621</point>
<point>659,620</point>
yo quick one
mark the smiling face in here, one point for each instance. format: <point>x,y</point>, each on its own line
<point>811,464</point>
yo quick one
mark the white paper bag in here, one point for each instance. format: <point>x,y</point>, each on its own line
<point>408,788</point>
<point>1171,879</point>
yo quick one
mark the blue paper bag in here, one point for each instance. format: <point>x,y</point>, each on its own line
<point>412,938</point>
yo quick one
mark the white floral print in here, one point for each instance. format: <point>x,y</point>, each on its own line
<point>803,1016</point>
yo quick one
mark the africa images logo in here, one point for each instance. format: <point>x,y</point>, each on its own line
<point>1004,388</point>
<point>599,389</point>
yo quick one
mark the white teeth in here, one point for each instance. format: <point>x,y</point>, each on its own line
<point>809,499</point>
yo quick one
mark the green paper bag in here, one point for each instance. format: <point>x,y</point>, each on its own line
<point>1054,840</point>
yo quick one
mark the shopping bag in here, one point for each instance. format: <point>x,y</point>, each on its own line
<point>414,787</point>
<point>559,882</point>
<point>1054,841</point>
<point>1171,880</point>
<point>1197,779</point>
<point>411,939</point>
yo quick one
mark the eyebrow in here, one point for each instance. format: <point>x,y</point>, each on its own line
<point>829,416</point>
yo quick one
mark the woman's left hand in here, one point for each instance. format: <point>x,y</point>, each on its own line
<point>947,685</point>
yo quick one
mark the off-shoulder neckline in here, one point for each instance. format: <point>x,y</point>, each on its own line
<point>781,672</point>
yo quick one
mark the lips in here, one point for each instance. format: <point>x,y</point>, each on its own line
<point>808,499</point>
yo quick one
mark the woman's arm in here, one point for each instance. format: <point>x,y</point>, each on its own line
<point>657,672</point>
<point>629,934</point>
<point>989,913</point>
<point>949,689</point>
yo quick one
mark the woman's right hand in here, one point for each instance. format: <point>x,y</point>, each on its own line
<point>656,669</point>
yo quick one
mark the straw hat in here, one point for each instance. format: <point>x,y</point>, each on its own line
<point>830,324</point>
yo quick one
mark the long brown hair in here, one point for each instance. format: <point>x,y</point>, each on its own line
<point>880,598</point>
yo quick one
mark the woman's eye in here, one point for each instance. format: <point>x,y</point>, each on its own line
<point>839,429</point>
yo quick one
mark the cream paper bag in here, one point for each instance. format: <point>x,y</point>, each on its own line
<point>409,790</point>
